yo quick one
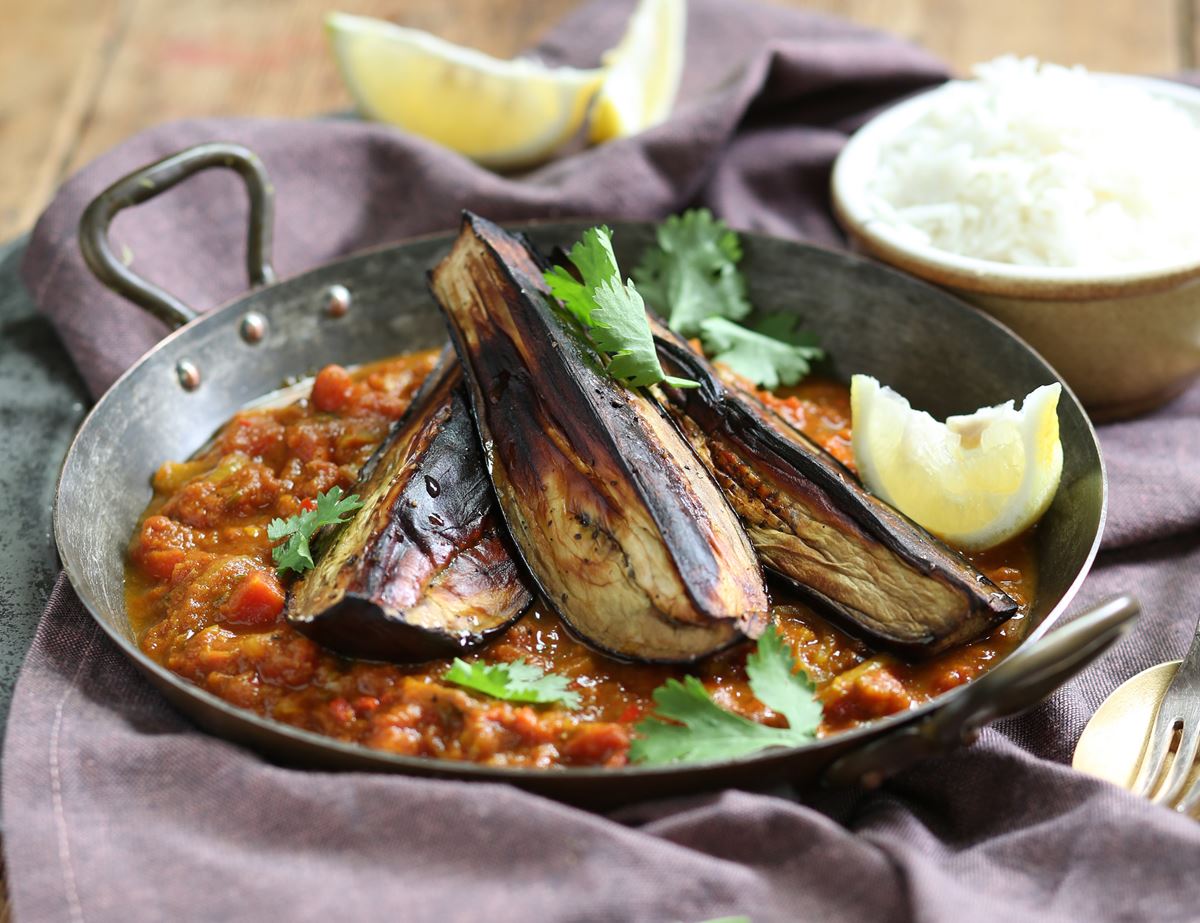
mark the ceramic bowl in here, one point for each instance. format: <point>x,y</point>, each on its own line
<point>1126,340</point>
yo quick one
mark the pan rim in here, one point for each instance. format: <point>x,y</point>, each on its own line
<point>432,766</point>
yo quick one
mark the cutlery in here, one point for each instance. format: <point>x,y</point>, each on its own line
<point>1146,734</point>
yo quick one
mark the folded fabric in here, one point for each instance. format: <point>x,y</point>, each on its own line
<point>115,807</point>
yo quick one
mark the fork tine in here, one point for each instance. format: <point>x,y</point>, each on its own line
<point>1191,798</point>
<point>1179,708</point>
<point>1185,757</point>
<point>1154,756</point>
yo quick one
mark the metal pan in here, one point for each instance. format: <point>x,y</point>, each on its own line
<point>943,354</point>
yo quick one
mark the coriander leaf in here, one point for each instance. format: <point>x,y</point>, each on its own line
<point>692,274</point>
<point>611,311</point>
<point>697,728</point>
<point>688,725</point>
<point>764,360</point>
<point>784,327</point>
<point>775,682</point>
<point>692,277</point>
<point>516,682</point>
<point>619,328</point>
<point>295,554</point>
<point>331,505</point>
<point>278,528</point>
<point>593,257</point>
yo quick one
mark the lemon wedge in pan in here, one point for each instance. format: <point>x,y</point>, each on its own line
<point>976,480</point>
<point>503,114</point>
<point>644,70</point>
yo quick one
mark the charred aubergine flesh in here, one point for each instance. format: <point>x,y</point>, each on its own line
<point>809,519</point>
<point>625,532</point>
<point>423,570</point>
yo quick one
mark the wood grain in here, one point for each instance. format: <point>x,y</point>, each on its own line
<point>52,58</point>
<point>228,57</point>
<point>1138,36</point>
<point>77,78</point>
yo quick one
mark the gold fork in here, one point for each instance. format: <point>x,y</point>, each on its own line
<point>1176,728</point>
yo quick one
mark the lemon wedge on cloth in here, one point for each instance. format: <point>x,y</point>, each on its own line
<point>644,70</point>
<point>975,480</point>
<point>503,114</point>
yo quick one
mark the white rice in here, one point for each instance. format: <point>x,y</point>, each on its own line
<point>1041,165</point>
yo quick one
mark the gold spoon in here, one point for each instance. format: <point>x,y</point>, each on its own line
<point>1113,741</point>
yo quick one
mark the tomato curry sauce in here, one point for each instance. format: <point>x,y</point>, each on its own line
<point>204,598</point>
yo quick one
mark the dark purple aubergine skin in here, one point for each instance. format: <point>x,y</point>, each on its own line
<point>435,545</point>
<point>763,458</point>
<point>540,378</point>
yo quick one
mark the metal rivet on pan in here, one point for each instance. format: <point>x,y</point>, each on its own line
<point>337,300</point>
<point>188,374</point>
<point>253,327</point>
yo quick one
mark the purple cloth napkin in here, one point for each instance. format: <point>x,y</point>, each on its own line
<point>116,808</point>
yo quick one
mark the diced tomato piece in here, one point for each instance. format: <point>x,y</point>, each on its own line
<point>160,545</point>
<point>160,562</point>
<point>632,712</point>
<point>308,504</point>
<point>331,389</point>
<point>257,600</point>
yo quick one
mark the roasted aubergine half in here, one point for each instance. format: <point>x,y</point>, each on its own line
<point>876,572</point>
<point>625,532</point>
<point>423,570</point>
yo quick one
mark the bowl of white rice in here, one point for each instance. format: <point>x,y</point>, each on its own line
<point>1065,203</point>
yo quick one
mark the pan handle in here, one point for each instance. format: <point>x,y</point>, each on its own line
<point>1016,685</point>
<point>145,184</point>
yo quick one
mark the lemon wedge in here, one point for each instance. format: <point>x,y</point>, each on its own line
<point>503,114</point>
<point>644,70</point>
<point>975,480</point>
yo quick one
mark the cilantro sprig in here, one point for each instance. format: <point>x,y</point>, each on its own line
<point>517,681</point>
<point>692,273</point>
<point>610,311</point>
<point>687,725</point>
<point>765,360</point>
<point>691,277</point>
<point>295,553</point>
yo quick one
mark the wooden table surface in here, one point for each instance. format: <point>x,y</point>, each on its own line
<point>78,76</point>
